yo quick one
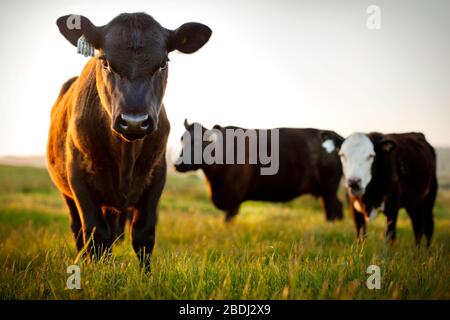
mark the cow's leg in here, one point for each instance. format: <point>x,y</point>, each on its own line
<point>428,211</point>
<point>333,207</point>
<point>428,225</point>
<point>415,214</point>
<point>75,222</point>
<point>97,235</point>
<point>358,219</point>
<point>230,214</point>
<point>391,213</point>
<point>143,226</point>
<point>360,222</point>
<point>422,216</point>
<point>122,219</point>
<point>116,221</point>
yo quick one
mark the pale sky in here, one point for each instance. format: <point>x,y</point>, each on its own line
<point>267,64</point>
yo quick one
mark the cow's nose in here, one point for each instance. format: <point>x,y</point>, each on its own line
<point>354,183</point>
<point>133,123</point>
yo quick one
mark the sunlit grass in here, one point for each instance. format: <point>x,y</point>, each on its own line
<point>272,251</point>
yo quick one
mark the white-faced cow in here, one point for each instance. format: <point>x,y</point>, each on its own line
<point>109,129</point>
<point>307,164</point>
<point>388,172</point>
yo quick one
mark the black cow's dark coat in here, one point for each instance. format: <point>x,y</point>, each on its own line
<point>101,171</point>
<point>305,167</point>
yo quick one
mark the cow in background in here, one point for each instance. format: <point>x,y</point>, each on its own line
<point>388,172</point>
<point>308,164</point>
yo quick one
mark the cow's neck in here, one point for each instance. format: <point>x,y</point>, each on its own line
<point>126,156</point>
<point>376,192</point>
<point>214,174</point>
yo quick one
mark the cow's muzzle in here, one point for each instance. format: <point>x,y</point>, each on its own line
<point>134,126</point>
<point>355,187</point>
<point>181,167</point>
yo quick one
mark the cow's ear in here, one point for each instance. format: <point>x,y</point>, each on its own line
<point>376,137</point>
<point>330,135</point>
<point>387,145</point>
<point>189,37</point>
<point>72,27</point>
<point>381,142</point>
<point>216,126</point>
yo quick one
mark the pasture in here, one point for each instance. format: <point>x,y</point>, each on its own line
<point>271,251</point>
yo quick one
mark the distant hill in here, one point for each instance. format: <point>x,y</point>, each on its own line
<point>24,161</point>
<point>443,166</point>
<point>443,156</point>
<point>443,163</point>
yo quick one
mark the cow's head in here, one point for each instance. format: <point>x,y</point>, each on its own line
<point>361,156</point>
<point>132,65</point>
<point>194,140</point>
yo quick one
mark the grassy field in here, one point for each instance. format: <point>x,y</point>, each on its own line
<point>272,251</point>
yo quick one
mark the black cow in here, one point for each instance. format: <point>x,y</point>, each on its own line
<point>389,172</point>
<point>108,128</point>
<point>306,164</point>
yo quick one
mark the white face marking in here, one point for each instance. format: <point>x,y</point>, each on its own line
<point>357,154</point>
<point>328,145</point>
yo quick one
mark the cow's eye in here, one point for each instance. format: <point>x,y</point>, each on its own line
<point>370,157</point>
<point>342,155</point>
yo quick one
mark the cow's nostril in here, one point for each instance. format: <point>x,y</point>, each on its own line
<point>354,183</point>
<point>145,124</point>
<point>134,123</point>
<point>123,124</point>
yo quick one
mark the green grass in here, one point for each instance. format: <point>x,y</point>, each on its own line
<point>272,251</point>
